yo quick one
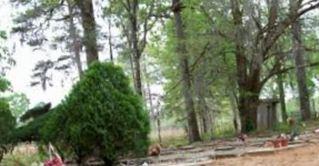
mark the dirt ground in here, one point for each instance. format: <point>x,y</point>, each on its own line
<point>303,156</point>
<point>302,152</point>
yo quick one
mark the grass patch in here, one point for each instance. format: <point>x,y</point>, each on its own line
<point>22,160</point>
<point>171,137</point>
<point>23,155</point>
<point>282,128</point>
<point>226,133</point>
<point>175,141</point>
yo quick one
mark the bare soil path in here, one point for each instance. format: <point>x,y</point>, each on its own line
<point>302,156</point>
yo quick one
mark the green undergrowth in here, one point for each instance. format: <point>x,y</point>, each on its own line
<point>23,159</point>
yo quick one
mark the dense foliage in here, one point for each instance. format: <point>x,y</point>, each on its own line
<point>35,112</point>
<point>31,131</point>
<point>7,124</point>
<point>7,120</point>
<point>19,104</point>
<point>101,116</point>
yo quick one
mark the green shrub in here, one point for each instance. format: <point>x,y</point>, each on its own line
<point>7,124</point>
<point>35,112</point>
<point>31,131</point>
<point>7,121</point>
<point>282,128</point>
<point>101,116</point>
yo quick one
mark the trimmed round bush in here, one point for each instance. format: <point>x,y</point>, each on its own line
<point>102,116</point>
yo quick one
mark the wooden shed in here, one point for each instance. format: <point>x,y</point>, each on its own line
<point>267,114</point>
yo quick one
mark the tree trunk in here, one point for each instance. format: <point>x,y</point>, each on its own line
<point>205,115</point>
<point>76,43</point>
<point>158,120</point>
<point>89,26</point>
<point>200,89</point>
<point>205,121</point>
<point>298,53</point>
<point>282,98</point>
<point>135,46</point>
<point>248,105</point>
<point>154,115</point>
<point>193,132</point>
<point>110,39</point>
<point>314,105</point>
<point>1,156</point>
<point>236,120</point>
<point>280,84</point>
<point>148,97</point>
<point>247,75</point>
<point>236,117</point>
<point>132,63</point>
<point>137,74</point>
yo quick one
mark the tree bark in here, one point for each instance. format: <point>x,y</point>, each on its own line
<point>204,114</point>
<point>137,75</point>
<point>76,43</point>
<point>247,106</point>
<point>236,117</point>
<point>129,44</point>
<point>193,132</point>
<point>158,120</point>
<point>133,11</point>
<point>314,105</point>
<point>89,26</point>
<point>298,53</point>
<point>282,101</point>
<point>110,39</point>
<point>148,93</point>
<point>280,84</point>
<point>200,88</point>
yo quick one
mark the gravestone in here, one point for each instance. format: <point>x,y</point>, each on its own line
<point>267,114</point>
